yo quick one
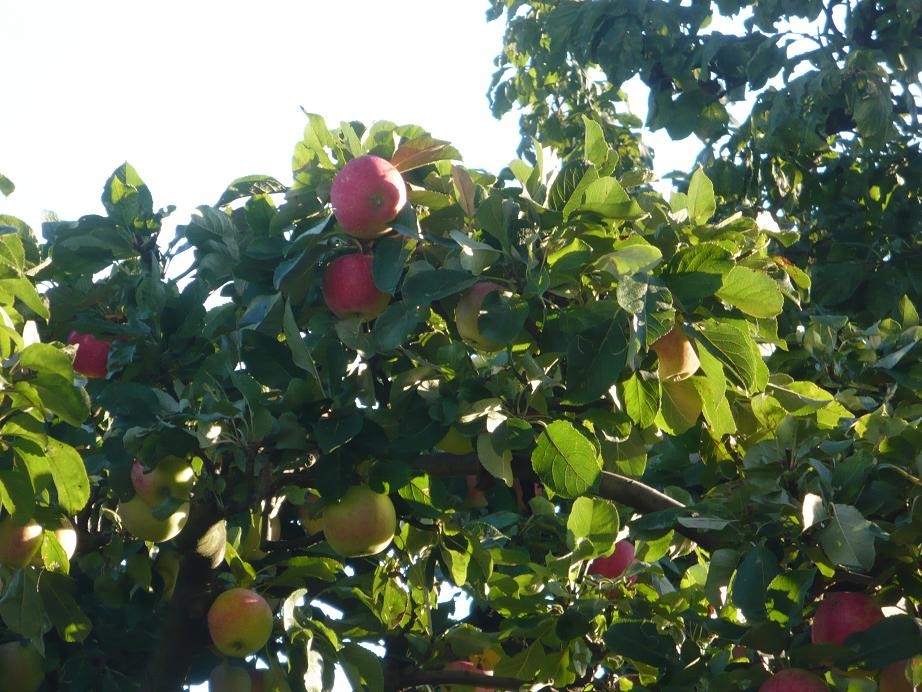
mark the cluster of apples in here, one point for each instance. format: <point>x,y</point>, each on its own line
<point>172,477</point>
<point>839,615</point>
<point>20,544</point>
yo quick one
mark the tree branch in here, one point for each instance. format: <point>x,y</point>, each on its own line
<point>407,681</point>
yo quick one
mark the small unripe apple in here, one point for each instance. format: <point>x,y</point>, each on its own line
<point>893,678</point>
<point>363,522</point>
<point>676,355</point>
<point>138,519</point>
<point>614,565</point>
<point>92,359</point>
<point>228,678</point>
<point>454,442</point>
<point>240,622</point>
<point>171,477</point>
<point>366,195</point>
<point>349,289</point>
<point>794,680</point>
<point>20,668</point>
<point>467,313</point>
<point>19,544</point>
<point>843,613</point>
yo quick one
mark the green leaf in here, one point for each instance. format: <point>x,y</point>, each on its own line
<point>736,350</point>
<point>21,607</point>
<point>501,318</point>
<point>424,287</point>
<point>475,255</point>
<point>362,667</point>
<point>848,539</point>
<point>6,185</point>
<point>680,406</point>
<point>396,324</point>
<point>61,397</point>
<point>58,592</point>
<point>595,520</point>
<point>640,641</point>
<point>390,256</point>
<point>752,292</point>
<point>720,570</point>
<point>126,197</point>
<point>300,353</point>
<point>701,202</point>
<point>248,186</point>
<point>595,147</point>
<point>608,199</point>
<point>595,358</point>
<point>642,392</point>
<point>786,596</point>
<point>69,474</point>
<point>498,464</point>
<point>895,638</point>
<point>422,151</point>
<point>565,460</point>
<point>25,292</point>
<point>750,585</point>
<point>630,257</point>
<point>45,358</point>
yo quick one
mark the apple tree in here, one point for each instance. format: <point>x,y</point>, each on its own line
<point>448,429</point>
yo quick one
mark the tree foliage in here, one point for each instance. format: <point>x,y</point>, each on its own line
<point>782,461</point>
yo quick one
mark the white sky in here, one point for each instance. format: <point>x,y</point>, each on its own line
<point>194,94</point>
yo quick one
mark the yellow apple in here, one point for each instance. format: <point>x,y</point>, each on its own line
<point>363,522</point>
<point>676,356</point>
<point>138,519</point>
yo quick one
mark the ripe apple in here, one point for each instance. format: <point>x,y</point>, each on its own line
<point>92,357</point>
<point>228,678</point>
<point>349,289</point>
<point>676,355</point>
<point>614,565</point>
<point>171,477</point>
<point>138,519</point>
<point>467,313</point>
<point>19,544</point>
<point>20,668</point>
<point>794,680</point>
<point>367,194</point>
<point>363,522</point>
<point>843,613</point>
<point>893,678</point>
<point>240,622</point>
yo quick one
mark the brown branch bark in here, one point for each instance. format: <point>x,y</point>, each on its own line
<point>184,631</point>
<point>408,681</point>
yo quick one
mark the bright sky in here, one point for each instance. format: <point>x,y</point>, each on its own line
<point>196,93</point>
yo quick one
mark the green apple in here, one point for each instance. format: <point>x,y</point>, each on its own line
<point>363,522</point>
<point>138,519</point>
<point>20,668</point>
<point>240,622</point>
<point>171,477</point>
<point>228,678</point>
<point>19,544</point>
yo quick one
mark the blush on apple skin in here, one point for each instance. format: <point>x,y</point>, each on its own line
<point>92,359</point>
<point>366,195</point>
<point>349,289</point>
<point>843,613</point>
<point>794,680</point>
<point>615,564</point>
<point>467,314</point>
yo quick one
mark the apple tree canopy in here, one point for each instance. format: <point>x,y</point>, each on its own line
<point>782,462</point>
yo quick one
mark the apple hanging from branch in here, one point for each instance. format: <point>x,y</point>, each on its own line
<point>363,522</point>
<point>676,356</point>
<point>19,543</point>
<point>20,668</point>
<point>240,622</point>
<point>843,613</point>
<point>349,289</point>
<point>367,194</point>
<point>794,680</point>
<point>92,359</point>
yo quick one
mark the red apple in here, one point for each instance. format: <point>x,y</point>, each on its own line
<point>893,677</point>
<point>794,680</point>
<point>20,668</point>
<point>92,357</point>
<point>843,613</point>
<point>363,522</point>
<point>468,313</point>
<point>614,565</point>
<point>19,544</point>
<point>367,194</point>
<point>349,289</point>
<point>240,622</point>
<point>676,355</point>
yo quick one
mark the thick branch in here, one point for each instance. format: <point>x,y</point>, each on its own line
<point>184,631</point>
<point>407,681</point>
